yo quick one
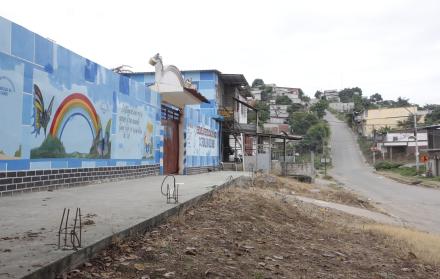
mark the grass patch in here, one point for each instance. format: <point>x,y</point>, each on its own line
<point>424,246</point>
<point>408,171</point>
<point>365,145</point>
<point>339,115</point>
<point>386,165</point>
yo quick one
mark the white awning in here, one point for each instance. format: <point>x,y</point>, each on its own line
<point>170,85</point>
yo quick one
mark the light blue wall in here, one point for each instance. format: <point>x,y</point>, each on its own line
<point>201,146</point>
<point>124,128</point>
<point>202,117</point>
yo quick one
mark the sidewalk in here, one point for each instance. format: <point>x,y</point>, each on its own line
<point>356,211</point>
<point>29,222</point>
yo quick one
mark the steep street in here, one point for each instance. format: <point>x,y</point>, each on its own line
<point>413,205</point>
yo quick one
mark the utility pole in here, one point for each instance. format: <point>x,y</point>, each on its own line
<point>416,139</point>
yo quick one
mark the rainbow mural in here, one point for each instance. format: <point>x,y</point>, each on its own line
<point>75,104</point>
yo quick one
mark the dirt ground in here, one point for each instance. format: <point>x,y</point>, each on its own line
<point>331,193</point>
<point>254,232</point>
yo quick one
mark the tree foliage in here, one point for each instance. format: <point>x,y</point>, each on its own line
<point>319,108</point>
<point>266,93</point>
<point>283,100</point>
<point>295,108</point>
<point>346,95</point>
<point>318,94</point>
<point>316,138</point>
<point>263,113</point>
<point>257,82</point>
<point>376,97</point>
<point>300,122</point>
<point>402,102</point>
<point>434,116</point>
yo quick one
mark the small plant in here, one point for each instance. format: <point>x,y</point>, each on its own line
<point>386,165</point>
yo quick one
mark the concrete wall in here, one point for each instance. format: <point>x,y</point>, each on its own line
<point>342,107</point>
<point>386,117</point>
<point>61,111</point>
<point>64,110</point>
<point>201,142</point>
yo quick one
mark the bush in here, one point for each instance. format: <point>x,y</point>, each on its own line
<point>51,147</point>
<point>386,165</point>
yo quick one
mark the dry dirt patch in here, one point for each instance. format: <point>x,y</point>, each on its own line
<point>253,232</point>
<point>423,245</point>
<point>331,193</point>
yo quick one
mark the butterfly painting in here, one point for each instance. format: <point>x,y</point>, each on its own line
<point>41,113</point>
<point>101,147</point>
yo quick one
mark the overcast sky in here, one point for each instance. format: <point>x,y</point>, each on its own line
<point>389,46</point>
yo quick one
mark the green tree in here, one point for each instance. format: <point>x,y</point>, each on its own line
<point>300,93</point>
<point>263,113</point>
<point>295,108</point>
<point>305,98</point>
<point>409,122</point>
<point>319,108</point>
<point>318,94</point>
<point>431,107</point>
<point>376,97</point>
<point>434,116</point>
<point>384,130</point>
<point>266,93</point>
<point>257,82</point>
<point>300,122</point>
<point>316,138</point>
<point>346,95</point>
<point>402,102</point>
<point>362,103</point>
<point>283,100</point>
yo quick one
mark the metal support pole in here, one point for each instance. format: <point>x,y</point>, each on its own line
<point>325,157</point>
<point>285,166</point>
<point>256,156</point>
<point>417,144</point>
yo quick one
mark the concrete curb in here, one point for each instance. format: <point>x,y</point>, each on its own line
<point>81,256</point>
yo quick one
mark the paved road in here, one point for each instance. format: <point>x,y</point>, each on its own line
<point>414,205</point>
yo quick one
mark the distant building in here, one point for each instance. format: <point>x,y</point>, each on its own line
<point>292,93</point>
<point>342,107</point>
<point>375,119</point>
<point>433,149</point>
<point>278,113</point>
<point>256,93</point>
<point>401,144</point>
<point>331,95</point>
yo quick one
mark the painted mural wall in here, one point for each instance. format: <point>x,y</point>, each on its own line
<point>61,110</point>
<point>201,129</point>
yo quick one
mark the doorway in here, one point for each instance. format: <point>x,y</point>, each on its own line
<point>170,122</point>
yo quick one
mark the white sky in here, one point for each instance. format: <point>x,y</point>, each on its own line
<point>386,46</point>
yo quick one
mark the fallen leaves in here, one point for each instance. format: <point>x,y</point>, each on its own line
<point>252,233</point>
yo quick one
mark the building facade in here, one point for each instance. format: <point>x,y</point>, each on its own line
<point>342,107</point>
<point>290,92</point>
<point>198,128</point>
<point>67,121</point>
<point>398,145</point>
<point>278,113</point>
<point>331,95</point>
<point>433,150</point>
<point>374,119</point>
